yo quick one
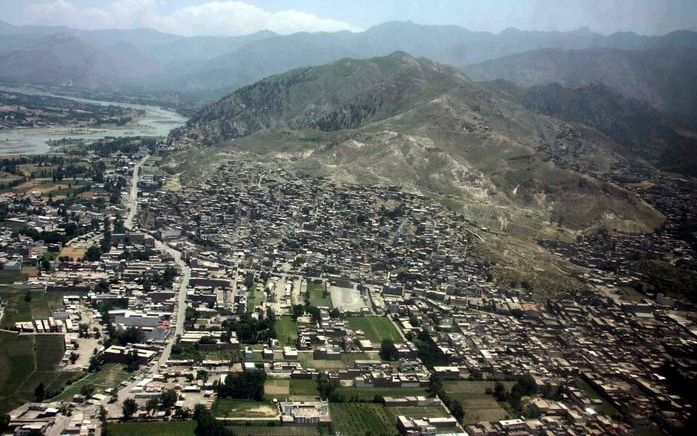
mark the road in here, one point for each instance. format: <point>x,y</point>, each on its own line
<point>177,326</point>
<point>133,193</point>
<point>180,305</point>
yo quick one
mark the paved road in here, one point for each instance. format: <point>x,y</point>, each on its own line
<point>180,304</point>
<point>133,194</point>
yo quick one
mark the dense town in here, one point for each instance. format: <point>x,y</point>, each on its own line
<point>259,300</point>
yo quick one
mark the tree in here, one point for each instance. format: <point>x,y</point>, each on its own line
<point>457,411</point>
<point>93,254</point>
<point>129,408</point>
<point>500,391</point>
<point>436,385</point>
<point>326,386</point>
<point>248,385</point>
<point>388,351</point>
<point>168,398</point>
<point>87,390</point>
<point>206,424</point>
<point>40,392</point>
<point>298,310</point>
<point>152,404</point>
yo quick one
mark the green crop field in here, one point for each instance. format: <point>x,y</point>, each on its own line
<point>305,388</point>
<point>361,419</point>
<point>9,277</point>
<point>176,428</point>
<point>25,362</point>
<point>318,296</point>
<point>348,360</point>
<point>376,328</point>
<point>418,412</point>
<point>367,394</point>
<point>266,430</point>
<point>478,405</point>
<point>42,304</point>
<point>286,330</point>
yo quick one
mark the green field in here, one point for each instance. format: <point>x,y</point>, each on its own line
<point>8,277</point>
<point>367,394</point>
<point>361,419</point>
<point>255,297</point>
<point>110,375</point>
<point>605,408</point>
<point>347,360</point>
<point>376,328</point>
<point>25,362</point>
<point>286,330</point>
<point>176,428</point>
<point>19,310</point>
<point>236,408</point>
<point>276,388</point>
<point>265,430</point>
<point>305,388</point>
<point>317,296</point>
<point>478,405</point>
<point>418,412</point>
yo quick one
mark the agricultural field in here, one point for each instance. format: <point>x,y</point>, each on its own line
<point>286,330</point>
<point>17,309</point>
<point>418,412</point>
<point>367,394</point>
<point>478,405</point>
<point>303,388</point>
<point>318,296</point>
<point>25,362</point>
<point>175,428</point>
<point>276,430</point>
<point>8,277</point>
<point>236,408</point>
<point>255,296</point>
<point>109,375</point>
<point>347,360</point>
<point>361,419</point>
<point>276,388</point>
<point>47,186</point>
<point>375,328</point>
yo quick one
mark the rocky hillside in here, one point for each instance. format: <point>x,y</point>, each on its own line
<point>637,128</point>
<point>412,122</point>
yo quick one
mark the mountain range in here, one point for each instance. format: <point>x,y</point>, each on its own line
<point>144,60</point>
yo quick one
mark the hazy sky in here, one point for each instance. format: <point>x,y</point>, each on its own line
<point>224,17</point>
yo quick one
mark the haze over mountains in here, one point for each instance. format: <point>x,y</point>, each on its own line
<point>145,60</point>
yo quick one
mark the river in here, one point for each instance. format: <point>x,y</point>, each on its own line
<point>155,122</point>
